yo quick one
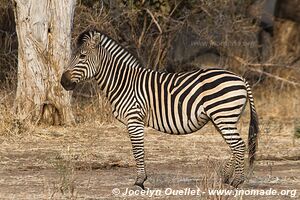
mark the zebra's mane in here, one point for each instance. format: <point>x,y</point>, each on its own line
<point>88,34</point>
<point>83,37</point>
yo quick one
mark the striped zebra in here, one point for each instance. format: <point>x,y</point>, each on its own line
<point>174,103</point>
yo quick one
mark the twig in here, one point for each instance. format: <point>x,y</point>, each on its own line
<point>155,21</point>
<point>140,40</point>
<point>241,60</point>
<point>275,77</point>
<point>100,12</point>
<point>175,7</point>
<point>244,62</point>
<point>206,11</point>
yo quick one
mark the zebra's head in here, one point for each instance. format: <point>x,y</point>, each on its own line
<point>85,62</point>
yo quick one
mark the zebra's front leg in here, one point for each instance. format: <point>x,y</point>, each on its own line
<point>136,134</point>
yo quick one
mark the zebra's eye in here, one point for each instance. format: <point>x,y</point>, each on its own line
<point>82,56</point>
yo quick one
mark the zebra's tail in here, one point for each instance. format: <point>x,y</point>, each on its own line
<point>253,128</point>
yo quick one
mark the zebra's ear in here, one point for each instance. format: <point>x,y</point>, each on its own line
<point>95,39</point>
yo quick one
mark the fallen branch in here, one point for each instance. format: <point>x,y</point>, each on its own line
<point>244,62</point>
<point>275,77</point>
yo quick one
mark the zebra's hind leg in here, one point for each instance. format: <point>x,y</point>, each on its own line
<point>228,170</point>
<point>234,169</point>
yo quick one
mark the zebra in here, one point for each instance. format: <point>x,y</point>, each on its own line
<point>173,103</point>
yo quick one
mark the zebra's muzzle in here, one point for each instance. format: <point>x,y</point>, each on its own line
<point>66,81</point>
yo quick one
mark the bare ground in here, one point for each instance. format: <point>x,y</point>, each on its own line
<point>88,162</point>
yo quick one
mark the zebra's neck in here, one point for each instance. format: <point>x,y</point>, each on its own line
<point>118,70</point>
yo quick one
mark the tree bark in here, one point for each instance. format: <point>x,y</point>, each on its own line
<point>44,39</point>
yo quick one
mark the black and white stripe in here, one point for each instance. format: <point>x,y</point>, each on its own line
<point>174,103</point>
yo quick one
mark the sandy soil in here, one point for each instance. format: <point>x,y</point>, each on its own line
<point>88,162</point>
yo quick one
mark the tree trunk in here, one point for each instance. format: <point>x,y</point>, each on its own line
<point>44,39</point>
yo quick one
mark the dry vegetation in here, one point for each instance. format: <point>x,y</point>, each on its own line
<point>93,157</point>
<point>148,29</point>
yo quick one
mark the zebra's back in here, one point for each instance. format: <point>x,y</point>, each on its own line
<point>180,103</point>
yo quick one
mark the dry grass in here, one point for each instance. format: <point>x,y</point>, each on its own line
<point>278,104</point>
<point>97,107</point>
<point>8,127</point>
<point>89,161</point>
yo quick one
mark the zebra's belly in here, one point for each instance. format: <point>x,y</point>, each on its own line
<point>183,125</point>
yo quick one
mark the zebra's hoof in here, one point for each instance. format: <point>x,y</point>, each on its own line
<point>226,180</point>
<point>237,180</point>
<point>139,184</point>
<point>226,177</point>
<point>140,181</point>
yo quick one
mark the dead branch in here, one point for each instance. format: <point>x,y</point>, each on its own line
<point>141,38</point>
<point>275,77</point>
<point>101,9</point>
<point>244,62</point>
<point>155,21</point>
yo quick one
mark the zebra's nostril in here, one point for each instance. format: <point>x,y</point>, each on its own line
<point>66,81</point>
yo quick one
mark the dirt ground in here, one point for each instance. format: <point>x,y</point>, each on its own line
<point>89,162</point>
